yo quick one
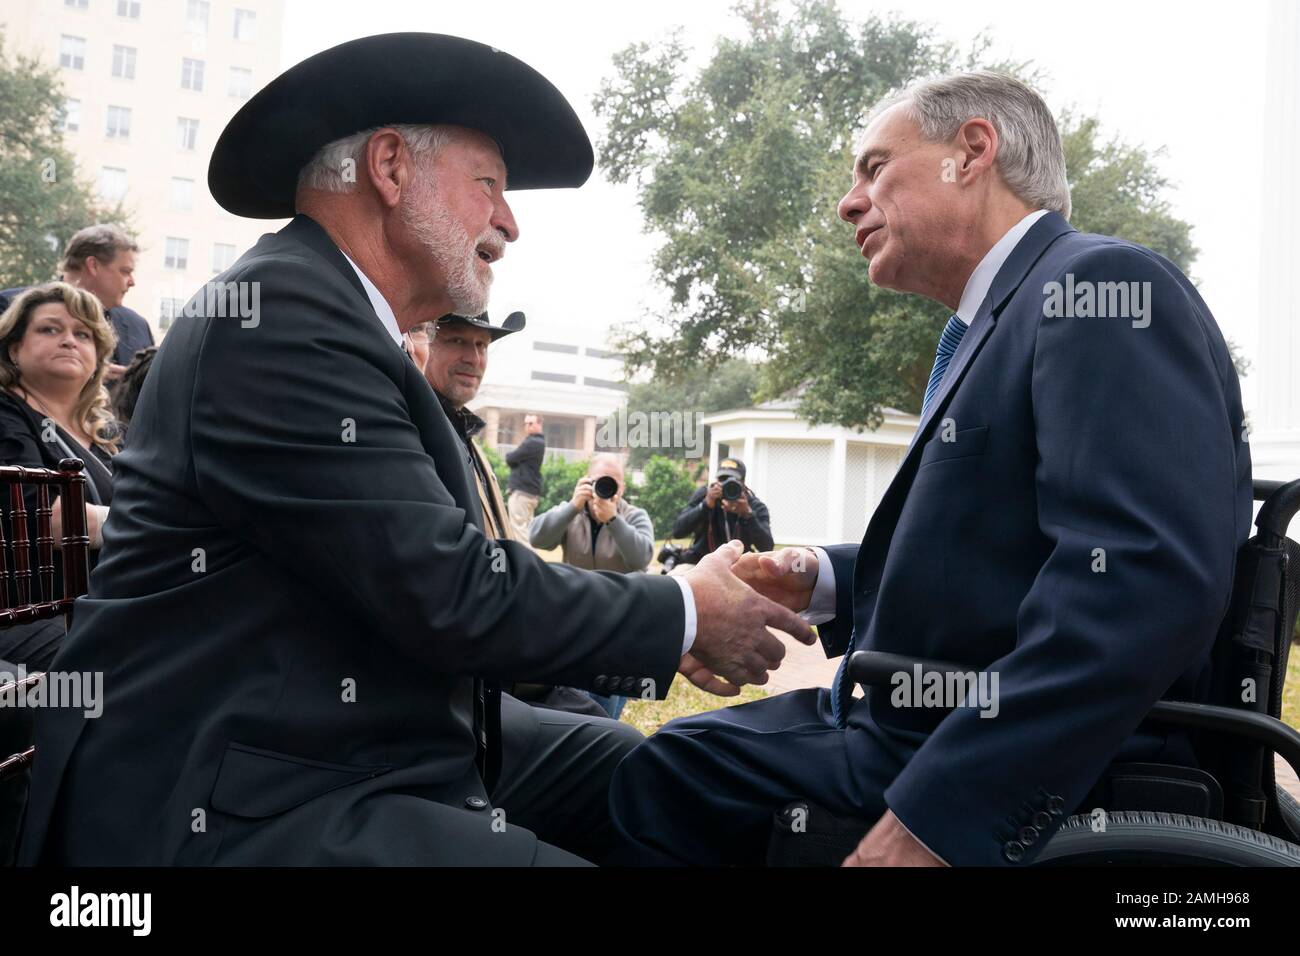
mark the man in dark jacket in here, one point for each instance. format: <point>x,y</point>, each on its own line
<point>300,623</point>
<point>525,485</point>
<point>714,519</point>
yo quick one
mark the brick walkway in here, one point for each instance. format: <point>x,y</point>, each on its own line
<point>806,666</point>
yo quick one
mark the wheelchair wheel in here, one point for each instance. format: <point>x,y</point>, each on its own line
<point>1146,838</point>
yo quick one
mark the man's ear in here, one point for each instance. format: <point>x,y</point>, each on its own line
<point>388,166</point>
<point>978,142</point>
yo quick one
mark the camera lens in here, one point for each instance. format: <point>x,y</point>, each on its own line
<point>605,486</point>
<point>732,489</point>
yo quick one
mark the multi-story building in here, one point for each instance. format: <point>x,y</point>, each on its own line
<point>150,85</point>
<point>574,386</point>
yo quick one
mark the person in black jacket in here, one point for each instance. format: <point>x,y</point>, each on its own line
<point>55,346</point>
<point>297,607</point>
<point>525,486</point>
<point>714,519</point>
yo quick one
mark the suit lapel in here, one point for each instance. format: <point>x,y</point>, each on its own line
<point>875,543</point>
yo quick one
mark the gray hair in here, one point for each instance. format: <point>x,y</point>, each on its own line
<point>326,170</point>
<point>103,241</point>
<point>1030,156</point>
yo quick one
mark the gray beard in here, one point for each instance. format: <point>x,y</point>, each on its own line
<point>452,249</point>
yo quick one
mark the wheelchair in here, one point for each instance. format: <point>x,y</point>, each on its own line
<point>1226,811</point>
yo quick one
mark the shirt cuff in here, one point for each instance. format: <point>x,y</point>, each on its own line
<point>821,607</point>
<point>688,602</point>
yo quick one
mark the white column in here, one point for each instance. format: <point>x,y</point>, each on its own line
<point>1275,416</point>
<point>835,490</point>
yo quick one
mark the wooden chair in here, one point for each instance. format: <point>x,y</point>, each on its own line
<point>27,595</point>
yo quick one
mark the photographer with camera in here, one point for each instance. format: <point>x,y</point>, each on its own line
<point>725,510</point>
<point>598,531</point>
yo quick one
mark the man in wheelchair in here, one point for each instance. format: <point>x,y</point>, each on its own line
<point>1066,523</point>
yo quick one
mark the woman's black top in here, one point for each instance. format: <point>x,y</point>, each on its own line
<point>22,442</point>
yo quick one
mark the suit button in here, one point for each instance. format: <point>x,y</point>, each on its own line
<point>599,683</point>
<point>1028,835</point>
<point>476,803</point>
<point>629,684</point>
<point>1042,820</point>
<point>1056,806</point>
<point>1014,851</point>
<point>613,684</point>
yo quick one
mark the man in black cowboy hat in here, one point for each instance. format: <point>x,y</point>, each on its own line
<point>299,618</point>
<point>454,364</point>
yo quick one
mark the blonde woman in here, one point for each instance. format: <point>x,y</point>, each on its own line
<point>55,345</point>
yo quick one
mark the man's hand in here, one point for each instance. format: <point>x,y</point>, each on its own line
<point>113,371</point>
<point>731,636</point>
<point>582,493</point>
<point>713,494</point>
<point>603,509</point>
<point>705,679</point>
<point>786,576</point>
<point>889,844</point>
<point>738,507</point>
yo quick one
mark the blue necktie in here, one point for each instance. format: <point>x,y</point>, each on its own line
<point>948,342</point>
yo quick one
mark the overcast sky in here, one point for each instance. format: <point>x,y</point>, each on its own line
<point>1185,76</point>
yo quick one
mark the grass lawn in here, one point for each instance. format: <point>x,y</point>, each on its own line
<point>1291,691</point>
<point>683,699</point>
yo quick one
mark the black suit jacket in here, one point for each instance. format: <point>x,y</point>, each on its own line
<point>293,599</point>
<point>1068,518</point>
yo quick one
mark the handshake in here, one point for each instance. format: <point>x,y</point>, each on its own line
<point>737,598</point>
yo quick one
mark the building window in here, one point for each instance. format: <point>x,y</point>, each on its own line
<point>71,122</point>
<point>196,15</point>
<point>182,199</point>
<point>192,75</point>
<point>176,253</point>
<point>223,256</point>
<point>555,377</point>
<point>245,25</point>
<point>130,9</point>
<point>604,383</point>
<point>555,347</point>
<point>188,131</point>
<point>603,353</point>
<point>241,83</point>
<point>124,62</point>
<point>119,122</point>
<point>77,4</point>
<point>168,309</point>
<point>112,184</point>
<point>72,52</point>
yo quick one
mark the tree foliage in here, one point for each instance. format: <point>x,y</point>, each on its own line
<point>739,169</point>
<point>42,199</point>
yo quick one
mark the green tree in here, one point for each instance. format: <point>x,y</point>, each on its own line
<point>497,462</point>
<point>42,199</point>
<point>662,493</point>
<point>700,390</point>
<point>739,168</point>
<point>558,478</point>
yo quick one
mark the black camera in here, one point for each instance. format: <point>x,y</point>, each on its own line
<point>732,489</point>
<point>606,486</point>
<point>670,555</point>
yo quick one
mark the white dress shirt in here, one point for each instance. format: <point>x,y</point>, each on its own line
<point>822,606</point>
<point>389,321</point>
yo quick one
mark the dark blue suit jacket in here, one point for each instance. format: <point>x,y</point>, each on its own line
<point>1066,435</point>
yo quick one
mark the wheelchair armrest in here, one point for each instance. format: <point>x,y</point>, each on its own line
<point>876,669</point>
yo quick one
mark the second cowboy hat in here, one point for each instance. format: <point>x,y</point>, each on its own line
<point>513,323</point>
<point>393,79</point>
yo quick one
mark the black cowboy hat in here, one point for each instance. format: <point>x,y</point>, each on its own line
<point>513,323</point>
<point>395,78</point>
